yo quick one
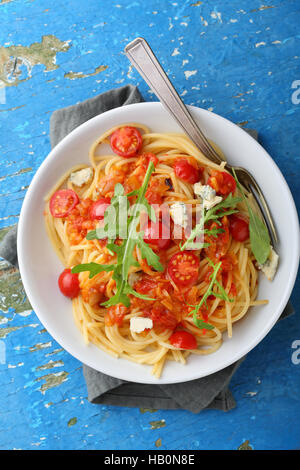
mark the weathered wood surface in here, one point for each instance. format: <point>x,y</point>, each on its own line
<point>239,59</point>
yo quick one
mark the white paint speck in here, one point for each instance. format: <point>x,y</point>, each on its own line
<point>259,44</point>
<point>20,364</point>
<point>190,73</point>
<point>216,15</point>
<point>204,22</point>
<point>175,52</point>
<point>27,312</point>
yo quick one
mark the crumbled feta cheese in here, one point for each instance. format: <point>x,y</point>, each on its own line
<point>139,324</point>
<point>209,204</point>
<point>207,194</point>
<point>81,177</point>
<point>204,191</point>
<point>270,266</point>
<point>178,212</point>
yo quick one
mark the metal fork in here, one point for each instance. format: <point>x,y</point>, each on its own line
<point>143,59</point>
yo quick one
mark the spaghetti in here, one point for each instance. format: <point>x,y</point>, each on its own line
<point>184,318</point>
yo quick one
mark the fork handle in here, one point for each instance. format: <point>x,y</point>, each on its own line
<point>142,57</point>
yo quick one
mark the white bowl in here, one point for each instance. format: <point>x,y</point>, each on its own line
<point>40,267</point>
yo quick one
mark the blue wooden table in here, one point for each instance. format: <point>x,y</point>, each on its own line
<point>237,58</point>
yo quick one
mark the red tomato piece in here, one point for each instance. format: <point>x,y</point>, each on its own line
<point>222,182</point>
<point>239,228</point>
<point>219,245</point>
<point>153,234</point>
<point>183,340</point>
<point>146,158</point>
<point>99,207</point>
<point>226,264</point>
<point>161,317</point>
<point>69,284</point>
<point>187,172</point>
<point>62,202</point>
<point>126,141</point>
<point>183,268</point>
<point>115,315</point>
<point>147,285</point>
<point>94,294</point>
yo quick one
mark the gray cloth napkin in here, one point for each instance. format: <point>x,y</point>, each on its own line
<point>196,395</point>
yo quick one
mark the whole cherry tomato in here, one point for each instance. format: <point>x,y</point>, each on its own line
<point>187,172</point>
<point>69,284</point>
<point>183,340</point>
<point>239,228</point>
<point>222,182</point>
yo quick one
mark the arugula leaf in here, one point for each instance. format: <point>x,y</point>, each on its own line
<point>259,238</point>
<point>129,290</point>
<point>148,254</point>
<point>211,214</point>
<point>202,324</point>
<point>126,229</point>
<point>93,268</point>
<point>259,235</point>
<point>221,295</point>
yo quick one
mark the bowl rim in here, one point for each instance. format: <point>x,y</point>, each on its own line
<point>72,350</point>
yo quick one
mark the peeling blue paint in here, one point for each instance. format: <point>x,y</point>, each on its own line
<point>245,57</point>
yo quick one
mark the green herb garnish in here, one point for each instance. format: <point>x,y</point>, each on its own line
<point>220,293</point>
<point>114,219</point>
<point>212,214</point>
<point>259,235</point>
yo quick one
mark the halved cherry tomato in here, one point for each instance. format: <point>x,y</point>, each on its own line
<point>62,202</point>
<point>183,340</point>
<point>239,228</point>
<point>126,141</point>
<point>222,182</point>
<point>154,233</point>
<point>69,284</point>
<point>183,268</point>
<point>187,172</point>
<point>99,207</point>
